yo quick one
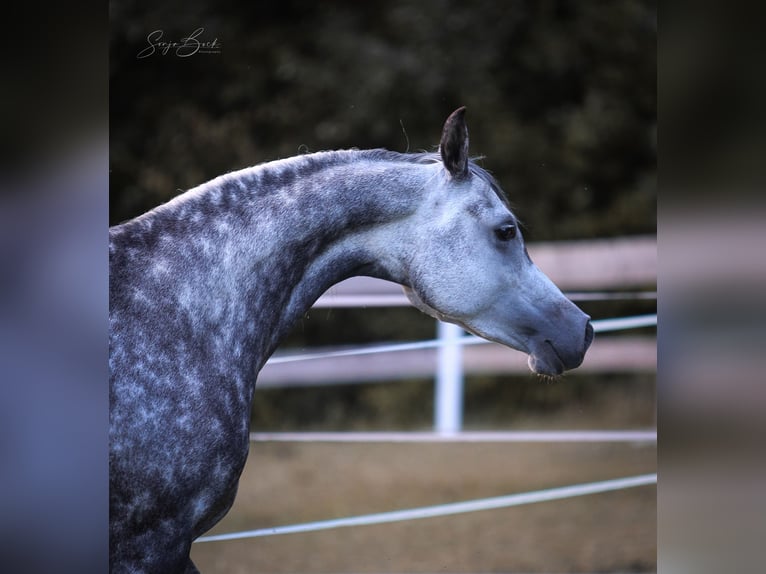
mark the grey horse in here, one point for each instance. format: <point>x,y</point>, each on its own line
<point>203,288</point>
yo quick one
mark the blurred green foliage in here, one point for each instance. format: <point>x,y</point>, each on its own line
<point>561,97</point>
<point>561,100</point>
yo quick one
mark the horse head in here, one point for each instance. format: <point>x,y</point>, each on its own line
<point>467,264</point>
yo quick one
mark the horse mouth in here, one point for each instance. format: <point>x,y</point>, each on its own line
<point>545,360</point>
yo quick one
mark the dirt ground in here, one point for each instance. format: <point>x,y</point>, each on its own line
<point>287,483</point>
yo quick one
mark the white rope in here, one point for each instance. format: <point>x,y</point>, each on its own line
<point>623,323</point>
<point>459,437</point>
<point>610,295</point>
<point>445,509</point>
<point>331,300</point>
<point>599,326</point>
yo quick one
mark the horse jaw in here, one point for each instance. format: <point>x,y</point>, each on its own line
<point>543,358</point>
<point>537,364</point>
<point>422,306</point>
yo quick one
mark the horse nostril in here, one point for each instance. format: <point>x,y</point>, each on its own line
<point>588,335</point>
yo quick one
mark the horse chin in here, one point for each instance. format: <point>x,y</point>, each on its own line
<point>544,360</point>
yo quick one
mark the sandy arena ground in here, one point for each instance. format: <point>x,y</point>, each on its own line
<point>287,483</point>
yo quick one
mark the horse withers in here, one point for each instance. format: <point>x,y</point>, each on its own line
<point>204,287</point>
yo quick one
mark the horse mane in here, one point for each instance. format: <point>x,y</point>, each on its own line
<point>309,163</point>
<point>267,176</point>
<point>434,157</point>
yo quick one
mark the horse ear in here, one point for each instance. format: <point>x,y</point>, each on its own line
<point>454,144</point>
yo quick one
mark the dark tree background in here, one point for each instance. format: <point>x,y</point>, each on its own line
<point>561,100</point>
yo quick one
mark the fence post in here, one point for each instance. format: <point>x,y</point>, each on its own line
<point>448,400</point>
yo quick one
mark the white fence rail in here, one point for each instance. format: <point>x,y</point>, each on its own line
<point>418,360</point>
<point>624,436</point>
<point>449,509</point>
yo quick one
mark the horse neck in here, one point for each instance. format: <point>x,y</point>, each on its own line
<point>262,244</point>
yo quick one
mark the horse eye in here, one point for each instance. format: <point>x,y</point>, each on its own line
<point>506,232</point>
